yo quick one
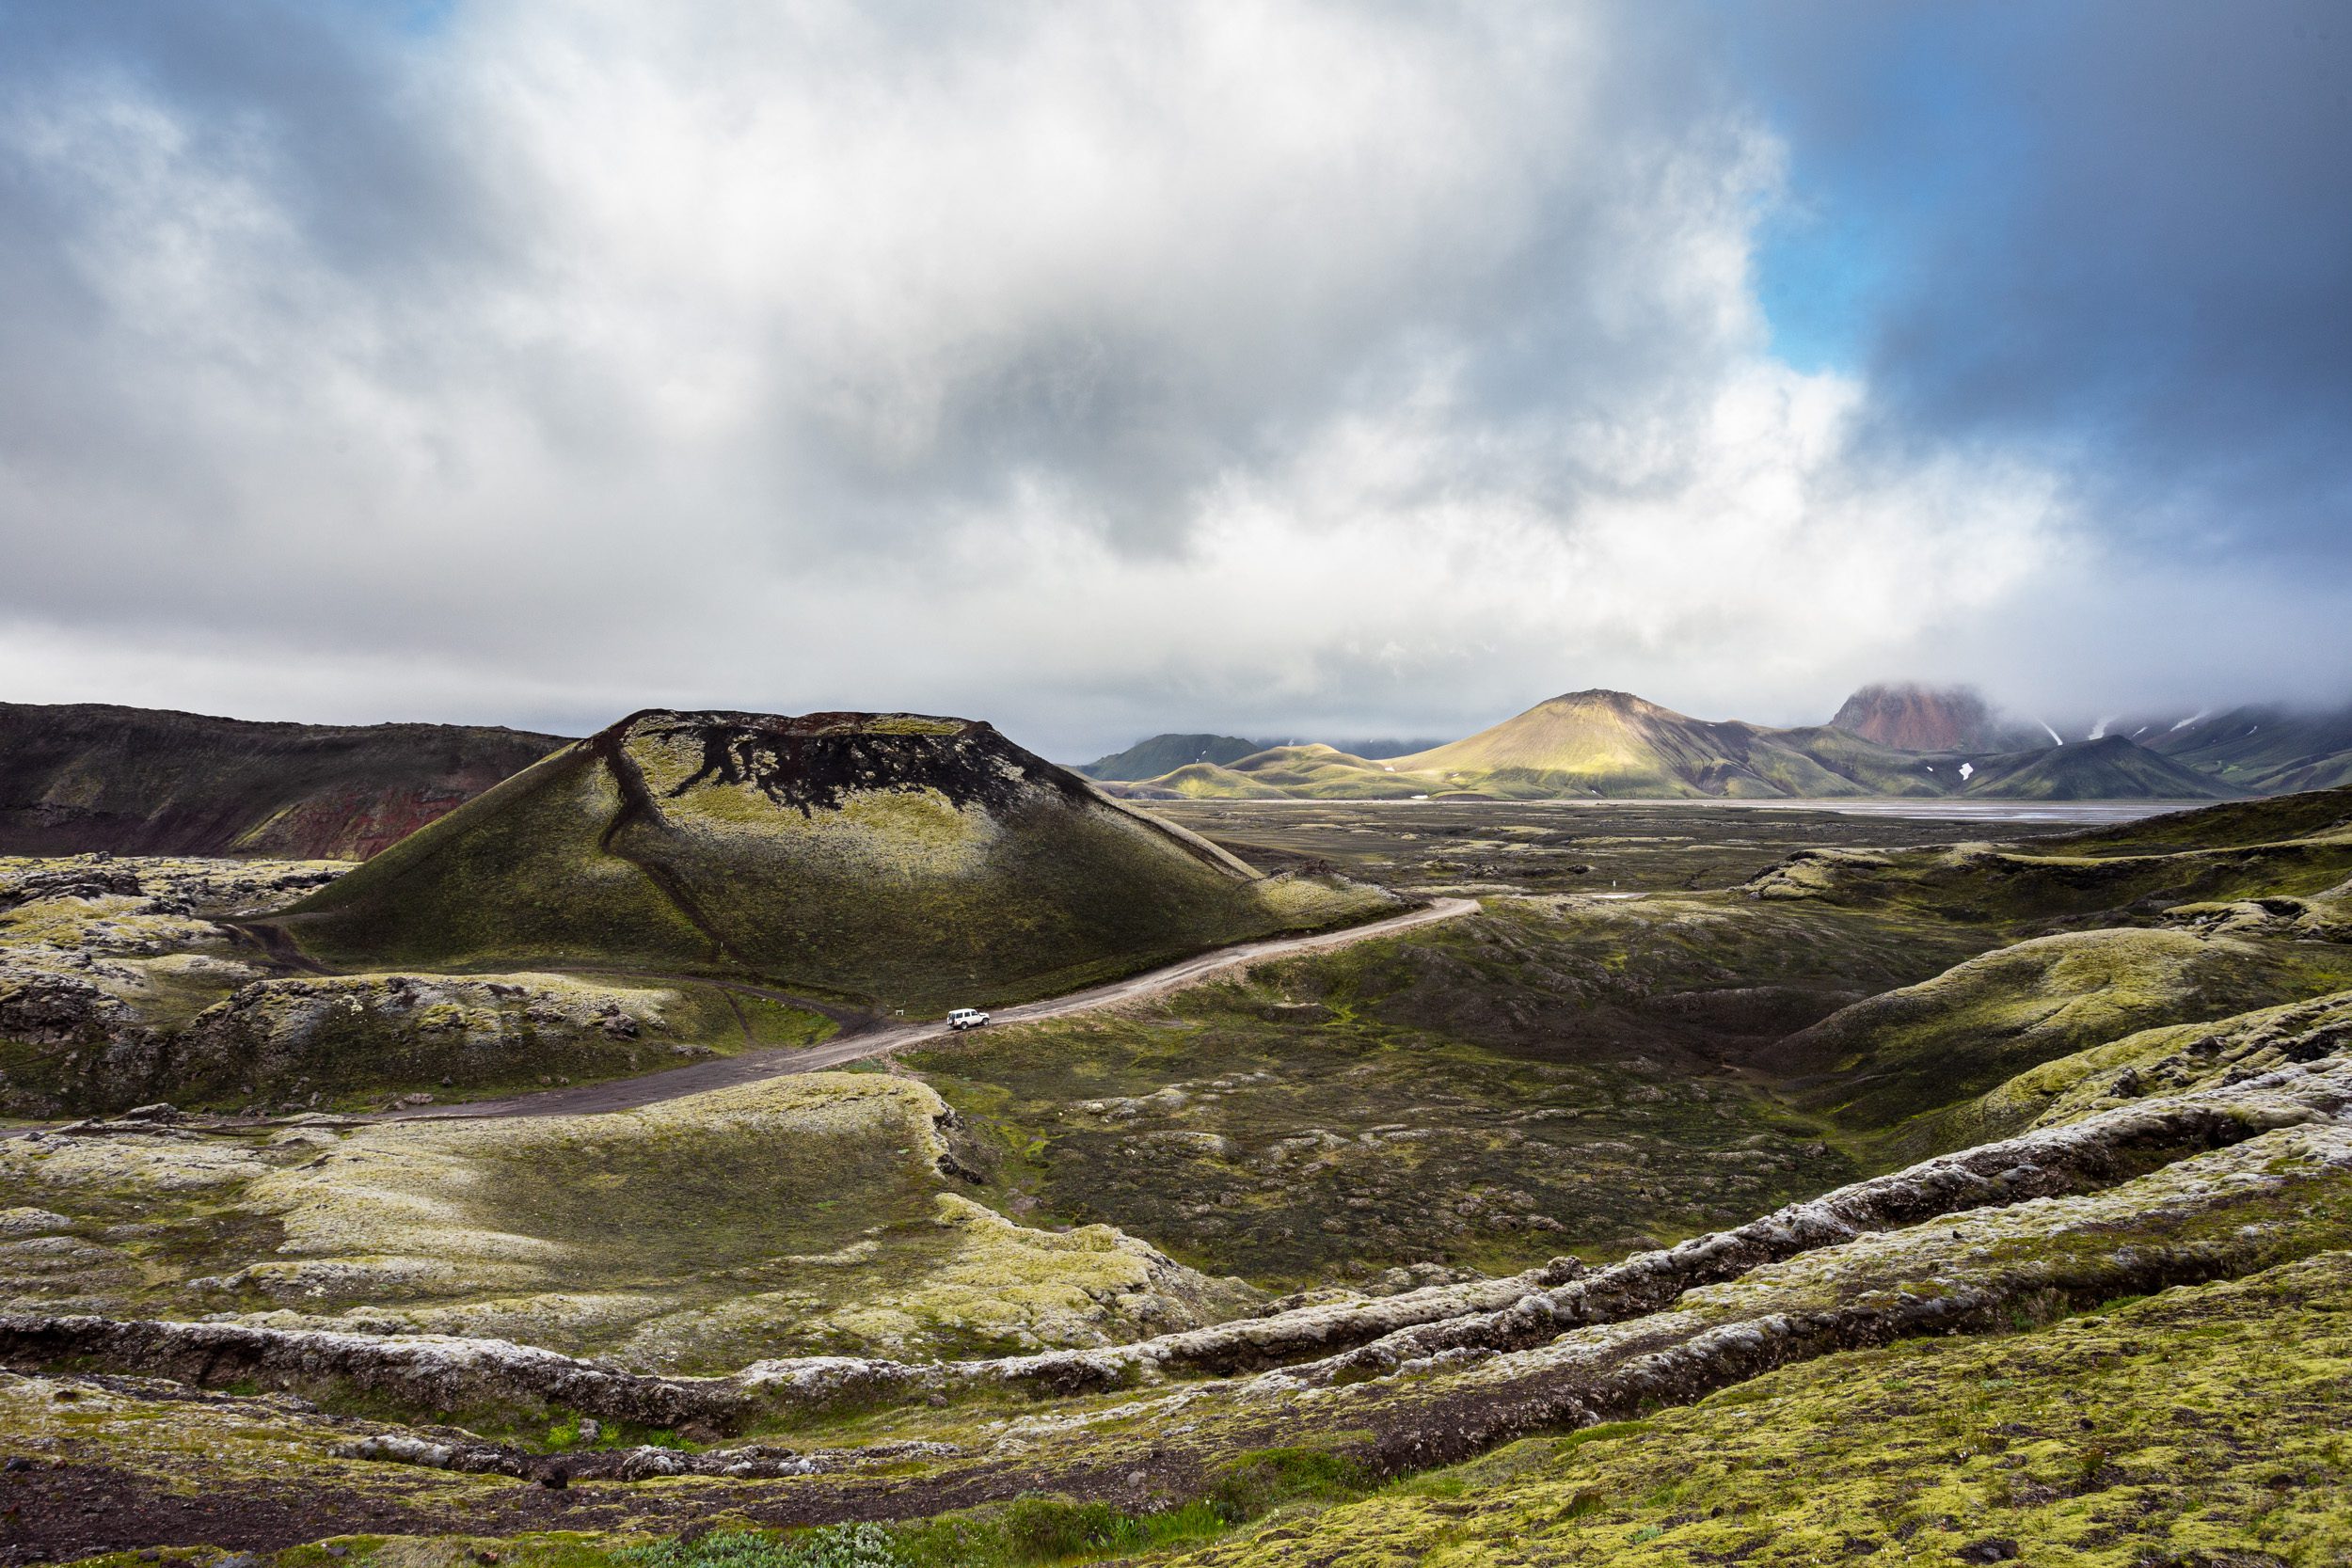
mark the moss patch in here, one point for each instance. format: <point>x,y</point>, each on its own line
<point>2197,1424</point>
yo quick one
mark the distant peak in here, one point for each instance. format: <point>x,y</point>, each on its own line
<point>1913,717</point>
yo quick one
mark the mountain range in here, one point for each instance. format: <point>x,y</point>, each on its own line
<point>1904,741</point>
<point>78,777</point>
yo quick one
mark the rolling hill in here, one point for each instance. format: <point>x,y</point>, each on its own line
<point>893,859</point>
<point>1164,754</point>
<point>2112,768</point>
<point>82,777</point>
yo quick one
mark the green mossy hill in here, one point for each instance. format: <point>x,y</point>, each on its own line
<point>2202,1426</point>
<point>1921,1047</point>
<point>2114,768</point>
<point>2035,888</point>
<point>76,777</point>
<point>2180,1058</point>
<point>1164,754</point>
<point>902,860</point>
<point>2319,814</point>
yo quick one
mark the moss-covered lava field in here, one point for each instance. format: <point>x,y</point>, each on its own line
<point>1729,1185</point>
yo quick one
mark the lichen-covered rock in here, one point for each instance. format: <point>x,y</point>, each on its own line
<point>2294,1120</point>
<point>806,1212</point>
<point>417,1028</point>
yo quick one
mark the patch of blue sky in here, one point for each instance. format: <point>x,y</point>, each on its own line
<point>413,18</point>
<point>1818,276</point>
<point>1892,124</point>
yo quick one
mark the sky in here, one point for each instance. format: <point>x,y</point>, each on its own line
<point>1106,367</point>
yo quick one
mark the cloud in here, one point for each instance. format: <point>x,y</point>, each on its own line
<point>2113,232</point>
<point>1097,368</point>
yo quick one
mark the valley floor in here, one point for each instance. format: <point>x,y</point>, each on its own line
<point>1845,1192</point>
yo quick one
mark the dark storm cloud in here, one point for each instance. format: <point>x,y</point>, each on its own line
<point>2123,231</point>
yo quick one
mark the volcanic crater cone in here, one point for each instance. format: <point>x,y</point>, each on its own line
<point>892,859</point>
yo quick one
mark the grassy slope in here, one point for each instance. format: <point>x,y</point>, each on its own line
<point>2038,890</point>
<point>1915,1067</point>
<point>1611,744</point>
<point>2201,1426</point>
<point>900,894</point>
<point>2179,1059</point>
<point>806,1214</point>
<point>2317,814</point>
<point>2114,768</point>
<point>1425,1098</point>
<point>1912,1052</point>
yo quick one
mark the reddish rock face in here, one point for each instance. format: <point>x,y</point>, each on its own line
<point>76,777</point>
<point>353,824</point>
<point>1919,717</point>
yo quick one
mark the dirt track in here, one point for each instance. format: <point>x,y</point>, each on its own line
<point>856,1043</point>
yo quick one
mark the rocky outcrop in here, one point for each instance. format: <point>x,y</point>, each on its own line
<point>421,1373</point>
<point>1913,718</point>
<point>1335,1345</point>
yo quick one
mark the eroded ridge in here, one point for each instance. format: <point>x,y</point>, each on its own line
<point>1318,1348</point>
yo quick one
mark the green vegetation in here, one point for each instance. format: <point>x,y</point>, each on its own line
<point>1913,1052</point>
<point>2120,1341</point>
<point>914,866</point>
<point>2024,892</point>
<point>1546,1076</point>
<point>2322,814</point>
<point>2204,1425</point>
<point>2110,769</point>
<point>2268,749</point>
<point>805,1214</point>
<point>115,994</point>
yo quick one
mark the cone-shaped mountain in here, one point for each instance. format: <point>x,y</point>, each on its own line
<point>906,861</point>
<point>1612,743</point>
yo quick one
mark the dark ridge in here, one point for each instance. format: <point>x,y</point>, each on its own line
<point>77,777</point>
<point>812,762</point>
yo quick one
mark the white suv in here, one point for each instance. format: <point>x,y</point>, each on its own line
<point>967,1018</point>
